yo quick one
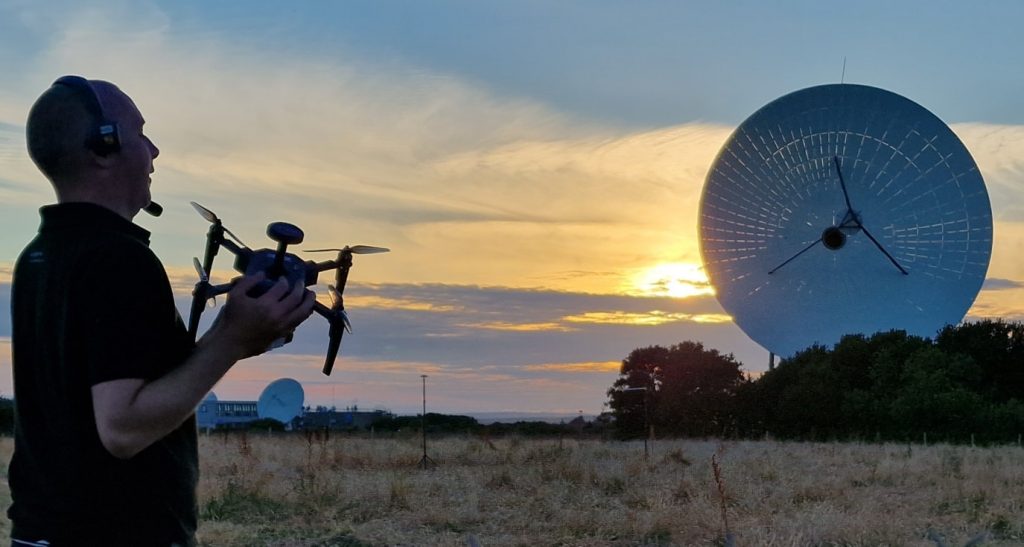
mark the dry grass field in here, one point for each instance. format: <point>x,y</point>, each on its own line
<point>294,490</point>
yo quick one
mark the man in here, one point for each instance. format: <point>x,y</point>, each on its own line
<point>106,379</point>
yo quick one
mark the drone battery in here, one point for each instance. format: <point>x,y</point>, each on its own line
<point>294,270</point>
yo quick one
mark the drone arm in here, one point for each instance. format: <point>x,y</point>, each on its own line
<point>198,303</point>
<point>323,310</point>
<point>323,266</point>
<point>332,349</point>
<point>233,247</point>
<point>337,330</point>
<point>214,239</point>
<point>217,290</point>
<point>342,265</point>
<point>203,292</point>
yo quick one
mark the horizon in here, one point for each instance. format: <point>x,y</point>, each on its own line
<point>534,168</point>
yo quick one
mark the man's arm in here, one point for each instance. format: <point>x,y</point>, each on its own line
<point>132,414</point>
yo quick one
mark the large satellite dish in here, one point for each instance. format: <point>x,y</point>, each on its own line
<point>843,209</point>
<point>281,400</point>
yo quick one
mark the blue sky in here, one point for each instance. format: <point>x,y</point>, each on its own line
<point>536,167</point>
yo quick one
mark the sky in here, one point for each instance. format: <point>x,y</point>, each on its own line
<point>534,167</point>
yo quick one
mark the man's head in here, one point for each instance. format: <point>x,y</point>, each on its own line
<point>62,132</point>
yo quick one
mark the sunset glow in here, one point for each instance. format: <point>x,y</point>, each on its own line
<point>675,279</point>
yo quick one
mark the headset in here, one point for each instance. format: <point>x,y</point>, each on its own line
<point>105,138</point>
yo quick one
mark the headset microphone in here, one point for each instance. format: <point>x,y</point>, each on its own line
<point>154,209</point>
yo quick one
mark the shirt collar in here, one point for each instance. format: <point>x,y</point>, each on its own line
<point>89,216</point>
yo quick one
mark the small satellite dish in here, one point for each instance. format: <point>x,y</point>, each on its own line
<point>281,400</point>
<point>843,209</point>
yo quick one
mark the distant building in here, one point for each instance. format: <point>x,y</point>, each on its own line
<point>215,414</point>
<point>338,419</point>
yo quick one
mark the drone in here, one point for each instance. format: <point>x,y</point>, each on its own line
<point>276,264</point>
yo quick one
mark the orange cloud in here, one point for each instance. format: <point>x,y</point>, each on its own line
<point>521,327</point>
<point>655,317</point>
<point>585,367</point>
<point>382,302</point>
<point>1005,304</point>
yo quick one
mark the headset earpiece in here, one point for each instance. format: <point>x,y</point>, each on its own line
<point>105,138</point>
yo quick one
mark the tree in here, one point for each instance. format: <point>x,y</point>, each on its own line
<point>688,390</point>
<point>998,349</point>
<point>935,398</point>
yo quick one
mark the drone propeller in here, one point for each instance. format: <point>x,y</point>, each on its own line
<point>209,215</point>
<point>199,270</point>
<point>336,307</point>
<point>212,218</point>
<point>204,278</point>
<point>355,249</point>
<point>198,298</point>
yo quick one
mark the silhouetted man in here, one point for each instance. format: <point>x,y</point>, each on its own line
<point>106,379</point>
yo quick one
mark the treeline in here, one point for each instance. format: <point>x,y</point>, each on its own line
<point>451,424</point>
<point>966,384</point>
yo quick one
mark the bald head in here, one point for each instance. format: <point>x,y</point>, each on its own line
<point>58,127</point>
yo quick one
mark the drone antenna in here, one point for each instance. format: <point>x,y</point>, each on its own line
<point>284,234</point>
<point>842,79</point>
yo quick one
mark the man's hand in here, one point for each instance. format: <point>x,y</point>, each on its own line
<point>253,323</point>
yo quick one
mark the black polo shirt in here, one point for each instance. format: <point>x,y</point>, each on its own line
<point>92,303</point>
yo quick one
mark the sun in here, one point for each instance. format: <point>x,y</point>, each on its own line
<point>675,279</point>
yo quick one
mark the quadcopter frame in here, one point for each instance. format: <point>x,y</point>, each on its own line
<point>275,264</point>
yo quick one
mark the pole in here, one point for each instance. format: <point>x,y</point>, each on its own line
<point>423,417</point>
<point>425,461</point>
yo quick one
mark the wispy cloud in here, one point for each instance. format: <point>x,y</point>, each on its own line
<point>385,303</point>
<point>655,317</point>
<point>996,284</point>
<point>573,368</point>
<point>519,327</point>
